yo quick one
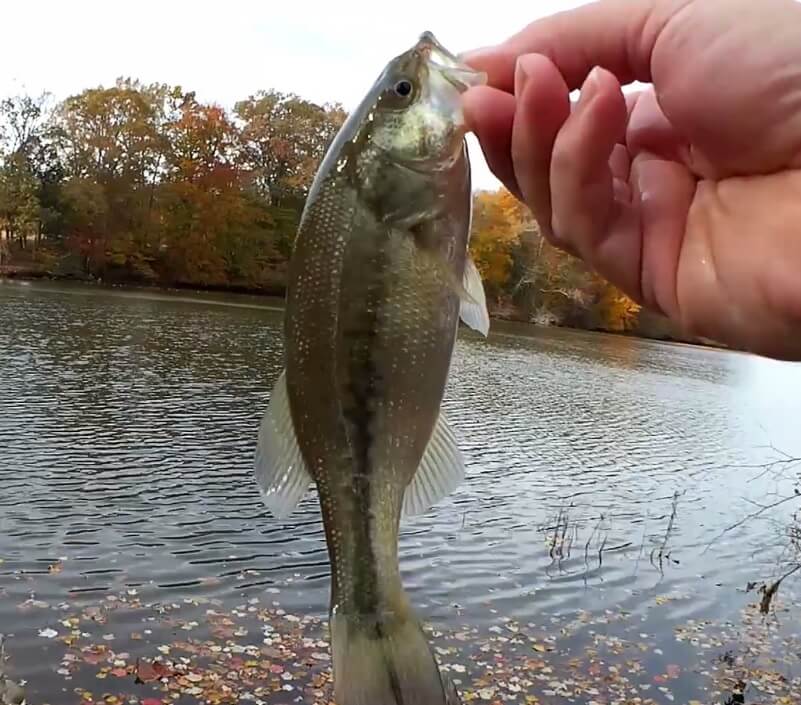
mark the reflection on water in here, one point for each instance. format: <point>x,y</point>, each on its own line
<point>603,474</point>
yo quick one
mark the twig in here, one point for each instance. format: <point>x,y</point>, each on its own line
<point>785,463</point>
<point>671,522</point>
<point>642,545</point>
<point>587,549</point>
<point>762,508</point>
<point>601,551</point>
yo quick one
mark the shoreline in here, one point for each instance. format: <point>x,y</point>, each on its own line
<point>273,297</point>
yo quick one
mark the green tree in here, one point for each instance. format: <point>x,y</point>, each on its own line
<point>22,126</point>
<point>19,202</point>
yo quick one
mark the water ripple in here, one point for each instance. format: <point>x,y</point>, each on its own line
<point>599,471</point>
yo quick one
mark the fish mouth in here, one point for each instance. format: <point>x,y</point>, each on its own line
<point>457,73</point>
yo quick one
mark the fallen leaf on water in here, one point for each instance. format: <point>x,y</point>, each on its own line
<point>95,654</point>
<point>147,671</point>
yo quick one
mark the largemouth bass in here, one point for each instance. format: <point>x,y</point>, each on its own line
<point>379,277</point>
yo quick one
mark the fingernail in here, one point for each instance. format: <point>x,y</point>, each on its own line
<point>589,88</point>
<point>520,76</point>
<point>524,66</point>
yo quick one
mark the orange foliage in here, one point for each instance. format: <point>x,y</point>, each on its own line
<point>617,311</point>
<point>498,220</point>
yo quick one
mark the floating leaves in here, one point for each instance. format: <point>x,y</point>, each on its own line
<point>195,651</point>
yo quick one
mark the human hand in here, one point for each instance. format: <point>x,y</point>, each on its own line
<point>687,195</point>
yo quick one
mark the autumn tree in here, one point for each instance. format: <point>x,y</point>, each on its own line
<point>549,285</point>
<point>112,145</point>
<point>216,227</point>
<point>613,310</point>
<point>498,221</point>
<point>117,133</point>
<point>284,139</point>
<point>544,283</point>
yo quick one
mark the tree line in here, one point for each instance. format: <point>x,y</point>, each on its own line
<point>147,183</point>
<point>140,183</point>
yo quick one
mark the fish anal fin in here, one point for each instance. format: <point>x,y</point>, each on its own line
<point>280,471</point>
<point>441,471</point>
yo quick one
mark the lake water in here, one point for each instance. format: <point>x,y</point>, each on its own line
<point>599,551</point>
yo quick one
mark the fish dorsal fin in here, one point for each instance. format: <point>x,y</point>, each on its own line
<point>280,471</point>
<point>441,471</point>
<point>473,309</point>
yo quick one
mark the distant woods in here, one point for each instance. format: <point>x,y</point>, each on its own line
<point>146,184</point>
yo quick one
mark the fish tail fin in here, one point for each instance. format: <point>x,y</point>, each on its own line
<point>386,661</point>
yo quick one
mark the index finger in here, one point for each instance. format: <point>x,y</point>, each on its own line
<point>618,35</point>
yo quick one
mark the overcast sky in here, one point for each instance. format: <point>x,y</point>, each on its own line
<point>321,50</point>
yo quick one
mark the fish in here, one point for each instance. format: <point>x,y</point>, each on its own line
<point>379,277</point>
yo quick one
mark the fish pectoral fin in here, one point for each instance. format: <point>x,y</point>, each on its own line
<point>441,471</point>
<point>473,302</point>
<point>280,471</point>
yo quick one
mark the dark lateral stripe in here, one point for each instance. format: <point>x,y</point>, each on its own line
<point>365,384</point>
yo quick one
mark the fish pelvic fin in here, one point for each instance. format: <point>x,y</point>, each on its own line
<point>386,660</point>
<point>281,473</point>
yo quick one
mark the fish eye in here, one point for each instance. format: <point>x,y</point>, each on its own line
<point>403,88</point>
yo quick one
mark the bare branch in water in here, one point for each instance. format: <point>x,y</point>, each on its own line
<point>662,552</point>
<point>762,509</point>
<point>769,592</point>
<point>783,465</point>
